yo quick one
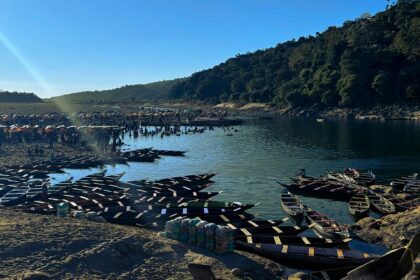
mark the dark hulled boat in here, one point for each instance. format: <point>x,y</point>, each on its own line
<point>308,257</point>
<point>293,240</point>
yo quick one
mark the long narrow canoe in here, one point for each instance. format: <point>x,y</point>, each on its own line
<point>293,240</point>
<point>308,257</point>
<point>267,230</point>
<point>324,189</point>
<point>325,226</point>
<point>211,204</point>
<point>159,199</point>
<point>292,206</point>
<point>14,196</point>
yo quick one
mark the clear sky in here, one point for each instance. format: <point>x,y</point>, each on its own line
<point>52,47</point>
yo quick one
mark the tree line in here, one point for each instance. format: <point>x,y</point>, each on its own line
<point>371,60</point>
<point>18,97</point>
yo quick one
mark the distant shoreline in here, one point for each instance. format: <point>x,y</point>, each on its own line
<point>258,110</point>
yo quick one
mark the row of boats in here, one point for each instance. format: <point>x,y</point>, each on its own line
<point>152,203</point>
<point>42,169</point>
<point>356,188</point>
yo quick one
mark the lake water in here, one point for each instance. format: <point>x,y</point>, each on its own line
<point>251,161</point>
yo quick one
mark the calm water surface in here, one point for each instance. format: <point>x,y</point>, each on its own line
<point>260,153</point>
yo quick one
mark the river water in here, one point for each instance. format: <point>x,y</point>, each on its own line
<point>251,161</point>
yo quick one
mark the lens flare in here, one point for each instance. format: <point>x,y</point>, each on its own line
<point>25,63</point>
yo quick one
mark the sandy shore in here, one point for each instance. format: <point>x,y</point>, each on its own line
<point>57,248</point>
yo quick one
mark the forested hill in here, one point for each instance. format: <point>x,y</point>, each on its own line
<point>18,97</point>
<point>129,93</point>
<point>366,61</point>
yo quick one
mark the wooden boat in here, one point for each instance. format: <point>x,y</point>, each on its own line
<point>212,204</point>
<point>130,218</point>
<point>292,206</point>
<point>14,196</point>
<point>293,240</point>
<point>359,205</point>
<point>340,177</point>
<point>259,223</point>
<point>267,230</point>
<point>323,188</point>
<point>194,194</point>
<point>170,153</point>
<point>308,257</point>
<point>167,189</point>
<point>189,211</point>
<point>228,218</point>
<point>399,184</point>
<point>324,226</point>
<point>380,204</point>
<point>402,204</point>
<point>393,265</point>
<point>160,199</point>
<point>362,178</point>
<point>189,180</point>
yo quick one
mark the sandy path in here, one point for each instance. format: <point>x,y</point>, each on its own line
<point>75,249</point>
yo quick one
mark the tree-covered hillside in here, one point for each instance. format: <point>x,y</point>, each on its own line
<point>129,93</point>
<point>18,97</point>
<point>366,61</point>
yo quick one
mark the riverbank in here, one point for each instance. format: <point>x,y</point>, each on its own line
<point>392,231</point>
<point>59,248</point>
<point>391,112</point>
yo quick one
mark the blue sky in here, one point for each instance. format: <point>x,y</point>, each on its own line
<point>53,47</point>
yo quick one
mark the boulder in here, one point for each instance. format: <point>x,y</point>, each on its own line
<point>392,230</point>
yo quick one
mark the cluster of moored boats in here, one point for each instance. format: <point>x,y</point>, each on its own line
<point>357,188</point>
<point>43,168</point>
<point>152,203</point>
<point>106,198</point>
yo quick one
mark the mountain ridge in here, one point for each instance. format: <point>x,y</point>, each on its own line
<point>371,60</point>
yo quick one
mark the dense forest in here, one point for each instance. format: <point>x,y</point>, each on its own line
<point>129,93</point>
<point>366,61</point>
<point>18,97</point>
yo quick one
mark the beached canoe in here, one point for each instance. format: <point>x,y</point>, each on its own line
<point>292,206</point>
<point>267,230</point>
<point>293,240</point>
<point>324,226</point>
<point>359,205</point>
<point>308,257</point>
<point>380,204</point>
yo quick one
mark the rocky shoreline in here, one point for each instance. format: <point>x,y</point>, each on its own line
<point>392,231</point>
<point>391,112</point>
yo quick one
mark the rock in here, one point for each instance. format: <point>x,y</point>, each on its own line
<point>274,268</point>
<point>299,276</point>
<point>34,276</point>
<point>392,231</point>
<point>236,272</point>
<point>381,188</point>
